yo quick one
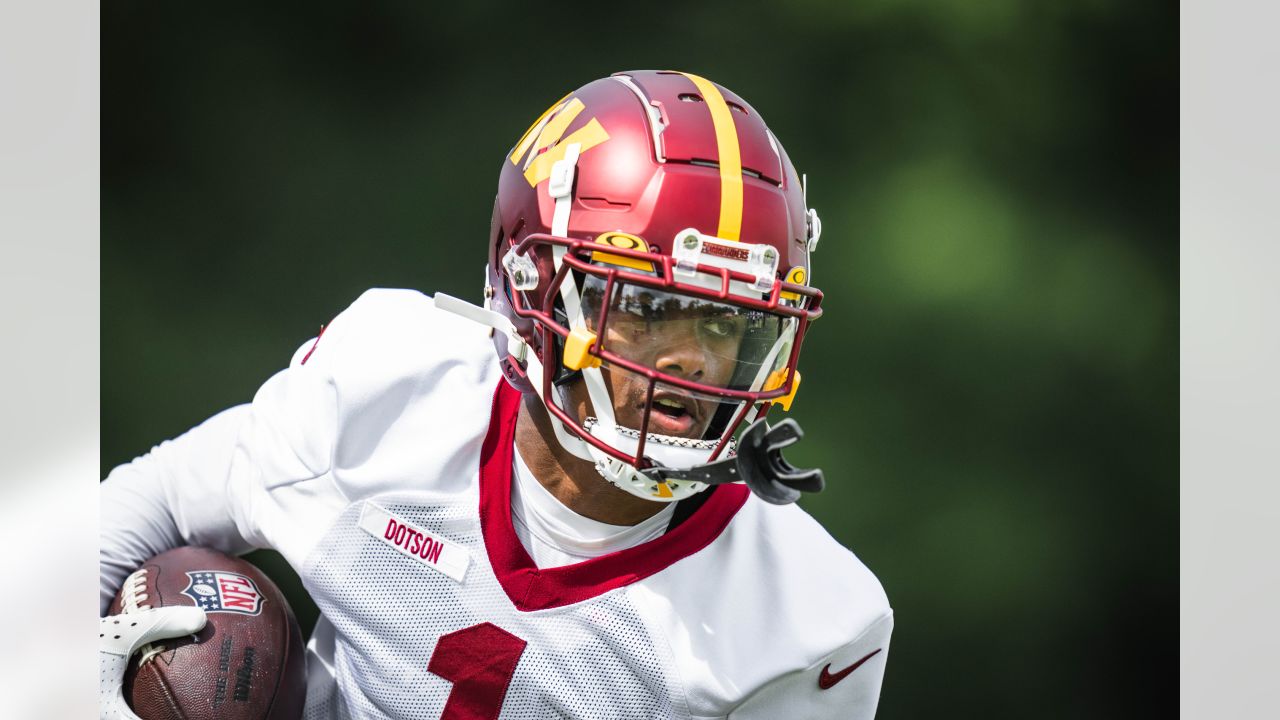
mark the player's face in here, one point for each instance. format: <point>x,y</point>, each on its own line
<point>690,347</point>
<point>683,337</point>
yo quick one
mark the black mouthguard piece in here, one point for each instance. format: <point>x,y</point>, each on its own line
<point>759,464</point>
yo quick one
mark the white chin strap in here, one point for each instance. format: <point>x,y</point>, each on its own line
<point>664,450</point>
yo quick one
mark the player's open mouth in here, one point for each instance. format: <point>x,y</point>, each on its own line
<point>673,415</point>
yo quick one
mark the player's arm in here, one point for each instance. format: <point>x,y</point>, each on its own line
<point>206,486</point>
<point>168,497</point>
<point>264,475</point>
<point>843,684</point>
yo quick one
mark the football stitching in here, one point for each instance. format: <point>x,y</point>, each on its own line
<point>169,697</point>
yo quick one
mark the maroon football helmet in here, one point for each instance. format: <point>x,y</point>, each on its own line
<point>650,247</point>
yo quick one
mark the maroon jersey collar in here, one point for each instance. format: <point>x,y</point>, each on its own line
<point>531,588</point>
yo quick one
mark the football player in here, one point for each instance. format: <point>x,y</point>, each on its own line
<point>567,502</point>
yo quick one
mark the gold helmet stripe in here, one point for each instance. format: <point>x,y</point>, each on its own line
<point>730,158</point>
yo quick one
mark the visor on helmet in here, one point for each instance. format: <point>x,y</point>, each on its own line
<point>714,344</point>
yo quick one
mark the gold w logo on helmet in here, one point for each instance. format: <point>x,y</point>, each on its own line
<point>551,143</point>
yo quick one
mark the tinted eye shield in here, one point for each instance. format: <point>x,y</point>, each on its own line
<point>705,281</point>
<point>715,343</point>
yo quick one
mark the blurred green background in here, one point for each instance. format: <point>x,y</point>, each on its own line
<point>992,391</point>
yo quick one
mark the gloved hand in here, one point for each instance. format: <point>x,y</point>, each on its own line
<point>121,635</point>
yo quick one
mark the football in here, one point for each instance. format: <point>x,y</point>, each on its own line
<point>246,664</point>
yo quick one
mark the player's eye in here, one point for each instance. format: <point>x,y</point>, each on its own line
<point>719,328</point>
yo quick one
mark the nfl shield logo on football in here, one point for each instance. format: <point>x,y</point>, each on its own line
<point>220,591</point>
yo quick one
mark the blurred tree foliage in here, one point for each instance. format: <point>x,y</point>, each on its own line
<point>992,391</point>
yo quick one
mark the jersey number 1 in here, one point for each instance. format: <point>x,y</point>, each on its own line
<point>479,661</point>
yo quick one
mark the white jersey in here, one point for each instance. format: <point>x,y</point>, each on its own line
<point>556,536</point>
<point>380,465</point>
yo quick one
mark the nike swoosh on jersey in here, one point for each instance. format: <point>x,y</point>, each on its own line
<point>827,680</point>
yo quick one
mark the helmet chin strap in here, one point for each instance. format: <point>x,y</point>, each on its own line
<point>662,449</point>
<point>560,188</point>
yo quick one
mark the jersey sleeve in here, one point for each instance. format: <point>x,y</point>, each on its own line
<point>843,684</point>
<point>205,486</point>
<point>169,496</point>
<point>387,394</point>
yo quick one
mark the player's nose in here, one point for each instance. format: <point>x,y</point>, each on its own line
<point>681,356</point>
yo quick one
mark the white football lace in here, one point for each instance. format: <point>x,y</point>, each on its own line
<point>135,592</point>
<point>135,596</point>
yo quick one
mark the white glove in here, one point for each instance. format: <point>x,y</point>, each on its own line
<point>121,635</point>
